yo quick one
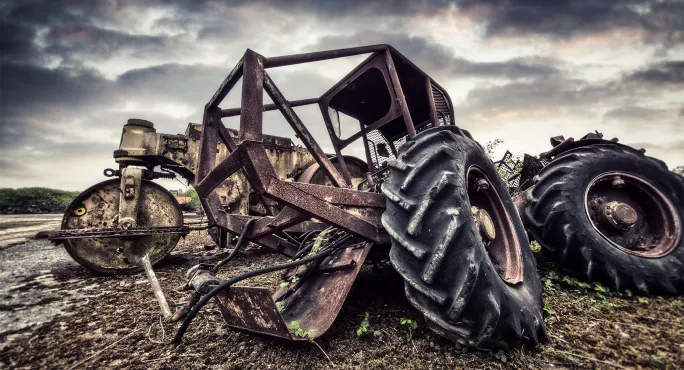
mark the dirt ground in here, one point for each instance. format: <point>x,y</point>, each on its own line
<point>56,314</point>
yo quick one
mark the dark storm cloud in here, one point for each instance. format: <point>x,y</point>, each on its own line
<point>437,59</point>
<point>16,42</point>
<point>49,107</point>
<point>79,42</point>
<point>671,72</point>
<point>552,94</point>
<point>658,20</point>
<point>74,32</point>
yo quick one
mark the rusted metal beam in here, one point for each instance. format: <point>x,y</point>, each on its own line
<point>212,207</point>
<point>258,168</point>
<point>208,143</point>
<point>232,112</point>
<point>252,97</point>
<point>303,133</point>
<point>287,60</point>
<point>342,196</point>
<point>222,171</point>
<point>364,130</point>
<point>287,218</point>
<point>297,198</point>
<point>336,144</point>
<point>401,99</point>
<point>225,87</point>
<point>226,138</point>
<point>235,224</point>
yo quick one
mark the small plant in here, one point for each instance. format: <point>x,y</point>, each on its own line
<point>280,305</point>
<point>547,309</point>
<point>285,284</point>
<point>658,356</point>
<point>298,332</point>
<point>536,248</point>
<point>573,359</point>
<point>460,348</point>
<point>642,300</point>
<point>410,325</point>
<point>500,355</point>
<point>364,328</point>
<point>601,288</point>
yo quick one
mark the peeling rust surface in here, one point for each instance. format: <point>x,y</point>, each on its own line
<point>252,309</point>
<point>101,203</point>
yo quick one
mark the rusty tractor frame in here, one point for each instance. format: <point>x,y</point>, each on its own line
<point>301,201</point>
<point>340,206</point>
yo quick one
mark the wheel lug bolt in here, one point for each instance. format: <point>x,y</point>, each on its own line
<point>481,185</point>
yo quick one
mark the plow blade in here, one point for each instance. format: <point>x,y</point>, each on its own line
<point>313,307</point>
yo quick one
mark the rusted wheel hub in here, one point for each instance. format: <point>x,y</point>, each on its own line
<point>484,223</point>
<point>632,214</point>
<point>495,226</point>
<point>618,215</point>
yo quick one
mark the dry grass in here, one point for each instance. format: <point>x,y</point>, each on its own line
<point>121,328</point>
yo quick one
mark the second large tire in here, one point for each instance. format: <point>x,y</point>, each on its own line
<point>556,217</point>
<point>437,249</point>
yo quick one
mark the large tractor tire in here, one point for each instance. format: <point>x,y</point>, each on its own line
<point>459,244</point>
<point>608,213</point>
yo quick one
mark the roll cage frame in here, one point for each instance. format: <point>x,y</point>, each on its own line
<point>352,210</point>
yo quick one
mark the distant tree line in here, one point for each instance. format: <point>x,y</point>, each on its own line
<point>193,204</point>
<point>35,200</point>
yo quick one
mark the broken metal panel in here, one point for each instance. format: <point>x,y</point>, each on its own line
<point>316,304</point>
<point>252,309</point>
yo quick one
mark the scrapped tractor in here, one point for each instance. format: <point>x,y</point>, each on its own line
<point>425,197</point>
<point>604,212</point>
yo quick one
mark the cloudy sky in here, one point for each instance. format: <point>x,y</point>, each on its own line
<point>73,71</point>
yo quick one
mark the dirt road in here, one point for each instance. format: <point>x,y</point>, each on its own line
<point>17,229</point>
<point>56,314</point>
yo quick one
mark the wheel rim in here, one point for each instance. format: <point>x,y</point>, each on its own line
<point>632,214</point>
<point>97,207</point>
<point>495,226</point>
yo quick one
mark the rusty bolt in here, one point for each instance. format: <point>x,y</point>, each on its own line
<point>481,185</point>
<point>617,182</point>
<point>126,223</point>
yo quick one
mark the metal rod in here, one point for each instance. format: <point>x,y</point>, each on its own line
<point>252,102</point>
<point>336,144</point>
<point>156,288</point>
<point>401,99</point>
<point>431,102</point>
<point>232,112</point>
<point>320,55</point>
<point>303,133</point>
<point>225,87</point>
<point>207,148</point>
